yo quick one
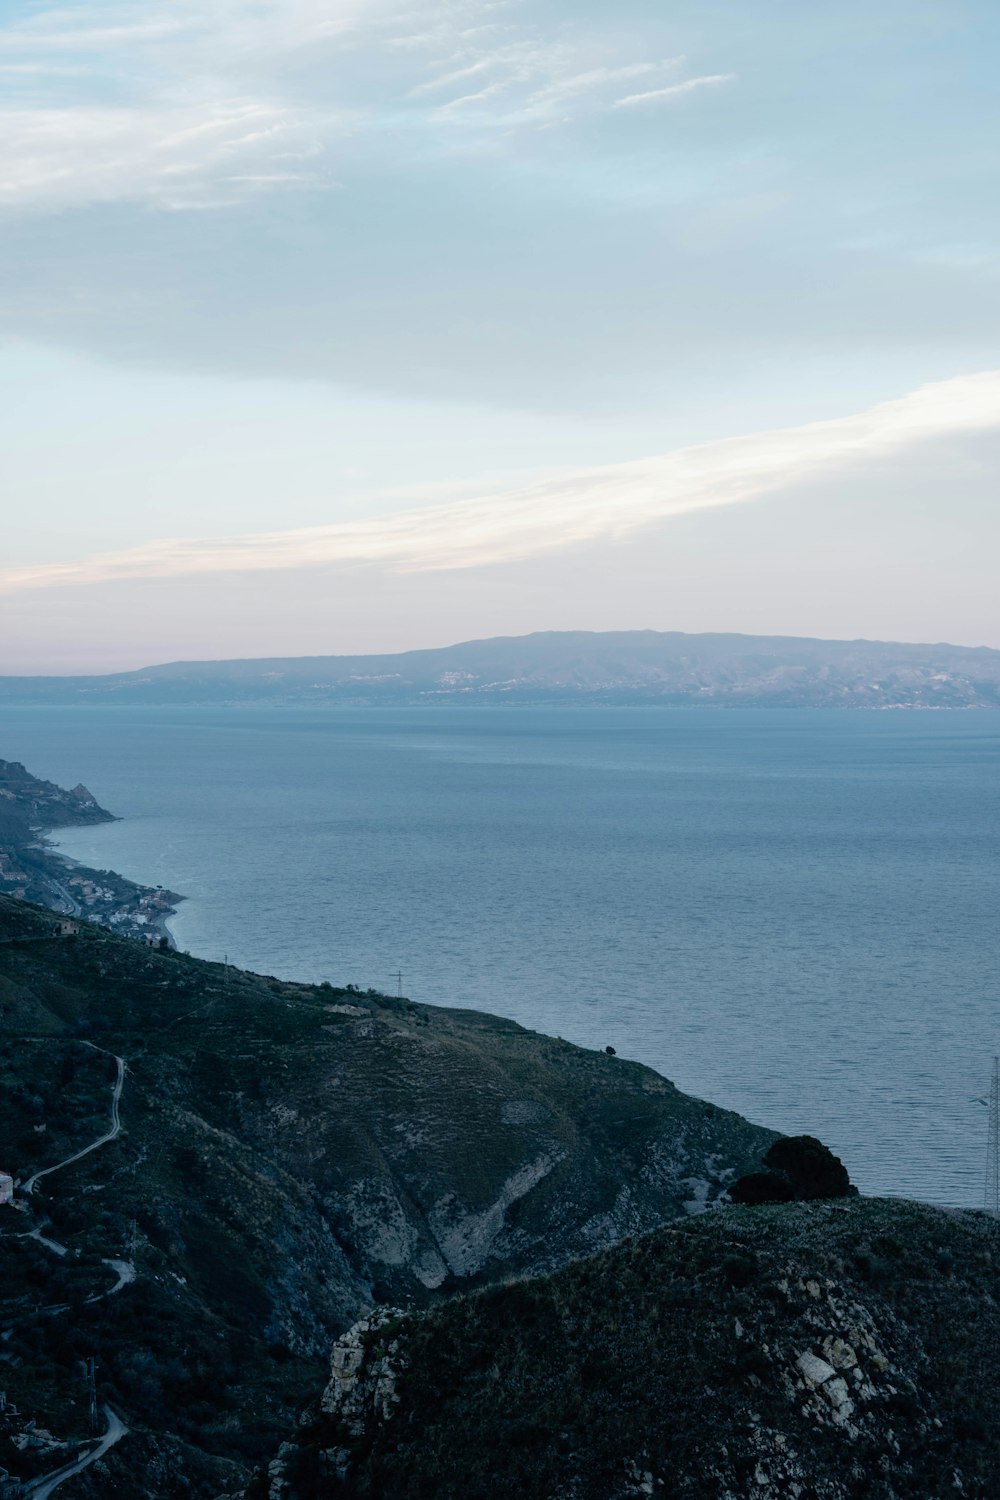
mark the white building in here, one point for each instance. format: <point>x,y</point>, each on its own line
<point>6,1188</point>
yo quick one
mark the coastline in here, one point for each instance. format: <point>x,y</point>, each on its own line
<point>77,891</point>
<point>33,869</point>
<point>134,910</point>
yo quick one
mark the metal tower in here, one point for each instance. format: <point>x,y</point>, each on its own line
<point>92,1392</point>
<point>991,1197</point>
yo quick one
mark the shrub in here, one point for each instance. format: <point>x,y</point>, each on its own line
<point>796,1167</point>
<point>812,1167</point>
<point>739,1270</point>
<point>763,1187</point>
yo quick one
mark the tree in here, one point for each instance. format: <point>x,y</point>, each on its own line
<point>797,1167</point>
<point>814,1170</point>
<point>763,1187</point>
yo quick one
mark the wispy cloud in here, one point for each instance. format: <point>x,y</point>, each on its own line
<point>177,157</point>
<point>532,84</point>
<point>111,101</point>
<point>564,509</point>
<point>674,90</point>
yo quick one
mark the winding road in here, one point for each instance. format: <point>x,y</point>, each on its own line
<point>42,1487</point>
<point>110,1135</point>
<point>53,1245</point>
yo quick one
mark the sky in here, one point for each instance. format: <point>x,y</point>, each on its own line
<point>346,325</point>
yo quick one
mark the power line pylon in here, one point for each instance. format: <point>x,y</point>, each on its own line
<point>92,1392</point>
<point>991,1197</point>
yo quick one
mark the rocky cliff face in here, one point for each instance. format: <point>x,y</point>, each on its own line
<point>824,1351</point>
<point>291,1158</point>
<point>36,804</point>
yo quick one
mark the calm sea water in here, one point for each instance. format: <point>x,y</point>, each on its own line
<point>794,914</point>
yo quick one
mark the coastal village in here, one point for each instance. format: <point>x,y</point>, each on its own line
<point>30,870</point>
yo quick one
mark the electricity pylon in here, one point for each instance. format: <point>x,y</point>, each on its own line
<point>92,1393</point>
<point>991,1197</point>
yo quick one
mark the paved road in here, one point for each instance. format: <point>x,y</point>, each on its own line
<point>73,908</point>
<point>29,1186</point>
<point>42,1487</point>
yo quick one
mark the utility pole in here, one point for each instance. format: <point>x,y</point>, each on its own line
<point>91,1380</point>
<point>399,984</point>
<point>991,1197</point>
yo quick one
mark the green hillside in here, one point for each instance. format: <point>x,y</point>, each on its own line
<point>290,1157</point>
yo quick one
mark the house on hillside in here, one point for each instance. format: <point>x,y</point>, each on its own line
<point>67,928</point>
<point>6,1188</point>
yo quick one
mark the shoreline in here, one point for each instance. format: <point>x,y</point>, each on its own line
<point>106,897</point>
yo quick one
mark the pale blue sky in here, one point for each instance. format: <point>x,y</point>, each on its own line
<point>267,267</point>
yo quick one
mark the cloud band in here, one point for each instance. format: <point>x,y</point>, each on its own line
<point>559,510</point>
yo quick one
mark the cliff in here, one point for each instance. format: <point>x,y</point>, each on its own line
<point>27,803</point>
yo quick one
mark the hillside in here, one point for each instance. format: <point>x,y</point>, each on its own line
<point>822,1350</point>
<point>30,871</point>
<point>27,802</point>
<point>625,667</point>
<point>290,1157</point>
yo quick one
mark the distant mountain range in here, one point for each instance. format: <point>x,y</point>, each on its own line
<point>611,667</point>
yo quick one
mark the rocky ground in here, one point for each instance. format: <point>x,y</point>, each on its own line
<point>819,1351</point>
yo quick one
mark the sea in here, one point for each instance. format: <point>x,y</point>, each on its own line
<point>792,913</point>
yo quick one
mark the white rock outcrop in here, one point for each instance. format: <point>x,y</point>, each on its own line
<point>815,1370</point>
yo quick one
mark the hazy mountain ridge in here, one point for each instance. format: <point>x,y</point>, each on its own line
<point>571,667</point>
<point>290,1157</point>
